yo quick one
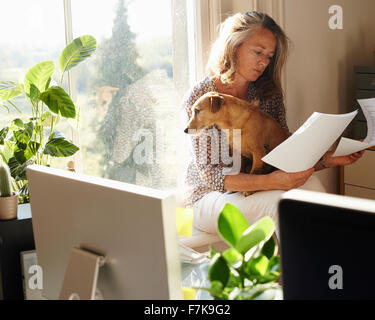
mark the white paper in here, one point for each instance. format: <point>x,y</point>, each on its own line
<point>190,255</point>
<point>306,146</point>
<point>349,146</point>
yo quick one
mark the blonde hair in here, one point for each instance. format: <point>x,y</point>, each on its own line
<point>234,31</point>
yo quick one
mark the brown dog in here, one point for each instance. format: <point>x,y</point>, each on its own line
<point>260,133</point>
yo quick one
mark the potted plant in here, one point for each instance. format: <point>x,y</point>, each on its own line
<point>33,138</point>
<point>250,268</point>
<point>8,198</point>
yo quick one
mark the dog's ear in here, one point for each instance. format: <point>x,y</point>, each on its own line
<point>215,102</point>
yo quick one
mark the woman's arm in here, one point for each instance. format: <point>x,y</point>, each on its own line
<point>277,180</point>
<point>327,161</point>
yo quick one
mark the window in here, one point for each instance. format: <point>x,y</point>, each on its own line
<point>130,91</point>
<point>29,36</point>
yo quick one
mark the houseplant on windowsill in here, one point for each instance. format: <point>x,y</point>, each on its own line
<point>8,198</point>
<point>34,139</point>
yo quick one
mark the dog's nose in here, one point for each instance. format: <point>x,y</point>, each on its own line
<point>186,130</point>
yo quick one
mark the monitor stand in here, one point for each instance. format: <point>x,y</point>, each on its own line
<point>81,276</point>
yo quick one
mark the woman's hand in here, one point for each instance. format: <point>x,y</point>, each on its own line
<point>331,162</point>
<point>281,180</point>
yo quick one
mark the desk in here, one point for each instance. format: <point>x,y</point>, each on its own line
<point>16,235</point>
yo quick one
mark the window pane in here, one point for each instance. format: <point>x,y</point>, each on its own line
<point>129,92</point>
<point>31,32</point>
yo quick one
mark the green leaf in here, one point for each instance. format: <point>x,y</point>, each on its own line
<point>22,137</point>
<point>24,190</point>
<point>17,170</point>
<point>268,277</point>
<point>75,52</point>
<point>18,123</point>
<point>59,102</point>
<point>231,224</point>
<point>34,93</point>
<point>39,75</point>
<point>33,147</point>
<point>60,148</point>
<point>260,231</point>
<point>46,119</point>
<point>270,249</point>
<point>258,266</point>
<point>3,134</point>
<point>218,269</point>
<point>232,256</point>
<point>22,155</point>
<point>216,289</point>
<point>47,84</point>
<point>7,152</point>
<point>9,90</point>
<point>29,127</point>
<point>274,265</point>
<point>235,279</point>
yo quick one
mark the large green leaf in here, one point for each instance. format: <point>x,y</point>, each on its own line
<point>75,52</point>
<point>39,75</point>
<point>22,155</point>
<point>9,90</point>
<point>260,231</point>
<point>59,102</point>
<point>60,148</point>
<point>231,224</point>
<point>17,170</point>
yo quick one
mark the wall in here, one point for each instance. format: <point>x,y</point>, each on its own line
<point>319,72</point>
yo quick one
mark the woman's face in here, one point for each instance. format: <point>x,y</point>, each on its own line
<point>255,54</point>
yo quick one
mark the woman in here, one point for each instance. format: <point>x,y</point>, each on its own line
<point>246,62</point>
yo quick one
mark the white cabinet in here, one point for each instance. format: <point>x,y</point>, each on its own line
<point>358,179</point>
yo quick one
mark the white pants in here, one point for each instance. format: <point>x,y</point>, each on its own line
<point>253,207</point>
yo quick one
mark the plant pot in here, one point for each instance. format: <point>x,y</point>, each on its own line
<point>9,207</point>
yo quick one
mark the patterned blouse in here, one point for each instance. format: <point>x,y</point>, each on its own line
<point>206,176</point>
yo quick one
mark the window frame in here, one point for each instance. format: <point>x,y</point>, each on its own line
<point>203,18</point>
<point>77,157</point>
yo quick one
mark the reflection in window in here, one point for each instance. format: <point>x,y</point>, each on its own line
<point>130,103</point>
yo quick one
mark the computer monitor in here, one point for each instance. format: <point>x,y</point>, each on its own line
<point>133,227</point>
<point>326,246</point>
